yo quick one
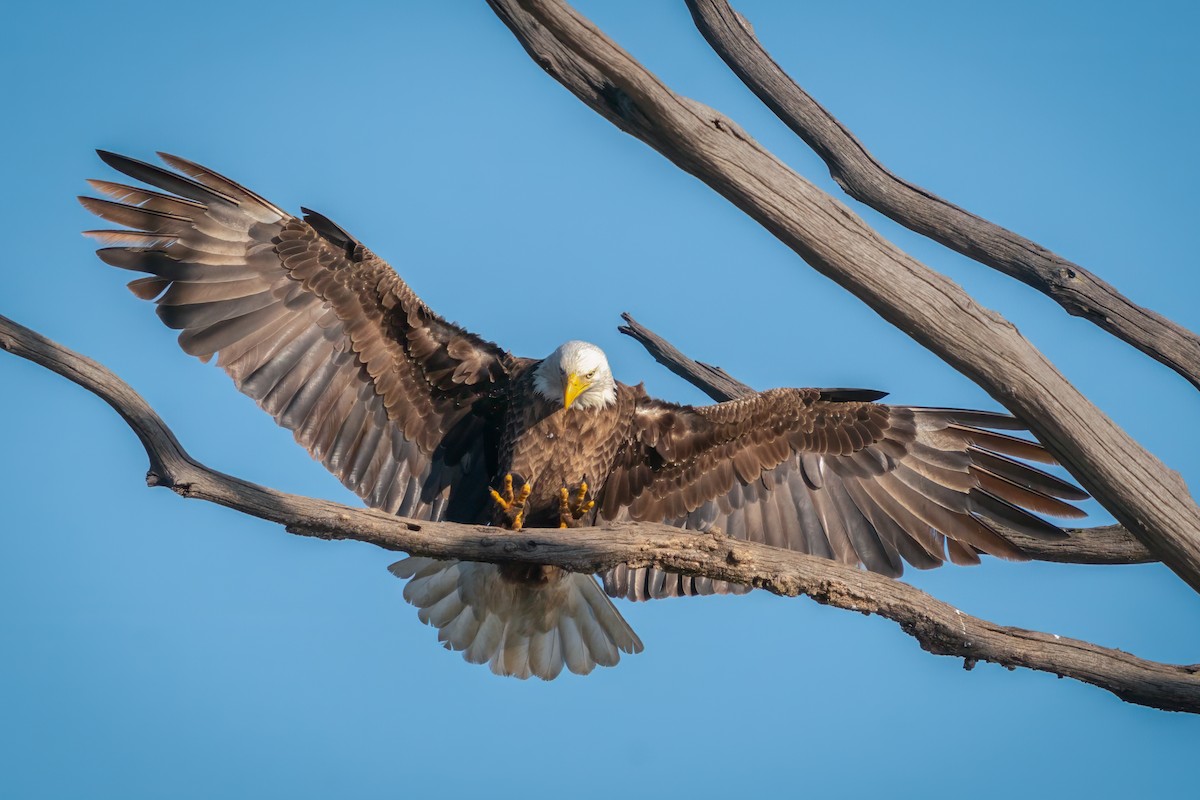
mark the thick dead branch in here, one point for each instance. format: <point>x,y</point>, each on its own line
<point>1151,501</point>
<point>858,172</point>
<point>937,626</point>
<point>1107,544</point>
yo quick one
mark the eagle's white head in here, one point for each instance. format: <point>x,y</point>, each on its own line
<point>576,374</point>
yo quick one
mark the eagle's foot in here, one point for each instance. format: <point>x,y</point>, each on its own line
<point>512,503</point>
<point>572,506</point>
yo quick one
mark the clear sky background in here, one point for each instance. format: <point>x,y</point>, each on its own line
<point>152,647</point>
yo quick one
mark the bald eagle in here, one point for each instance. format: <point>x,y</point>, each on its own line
<point>424,419</point>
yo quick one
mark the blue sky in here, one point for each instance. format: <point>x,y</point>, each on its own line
<point>155,647</point>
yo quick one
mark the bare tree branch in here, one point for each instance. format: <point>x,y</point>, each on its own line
<point>1151,501</point>
<point>713,381</point>
<point>1107,544</point>
<point>938,627</point>
<point>1078,291</point>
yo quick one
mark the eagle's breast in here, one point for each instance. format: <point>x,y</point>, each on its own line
<point>551,447</point>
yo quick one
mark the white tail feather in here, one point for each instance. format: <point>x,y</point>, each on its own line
<point>519,629</point>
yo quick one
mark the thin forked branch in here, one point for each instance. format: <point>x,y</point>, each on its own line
<point>864,178</point>
<point>1150,500</point>
<point>937,626</point>
<point>1106,544</point>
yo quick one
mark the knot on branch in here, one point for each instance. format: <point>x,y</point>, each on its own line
<point>527,546</point>
<point>622,105</point>
<point>509,546</point>
<point>160,475</point>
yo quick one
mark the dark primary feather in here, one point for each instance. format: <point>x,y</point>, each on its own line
<point>866,395</point>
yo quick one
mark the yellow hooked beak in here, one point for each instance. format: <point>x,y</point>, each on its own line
<point>573,387</point>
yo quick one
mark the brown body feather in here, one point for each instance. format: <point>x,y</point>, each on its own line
<point>419,417</point>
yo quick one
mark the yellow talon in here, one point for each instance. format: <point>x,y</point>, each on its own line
<point>509,501</point>
<point>564,507</point>
<point>572,508</point>
<point>508,492</point>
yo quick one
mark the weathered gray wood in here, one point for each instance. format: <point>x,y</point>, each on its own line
<point>1106,544</point>
<point>713,381</point>
<point>937,626</point>
<point>1077,290</point>
<point>1150,500</point>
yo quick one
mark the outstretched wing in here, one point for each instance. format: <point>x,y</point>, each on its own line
<point>859,482</point>
<point>393,399</point>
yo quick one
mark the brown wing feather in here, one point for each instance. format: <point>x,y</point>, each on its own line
<point>859,482</point>
<point>393,399</point>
